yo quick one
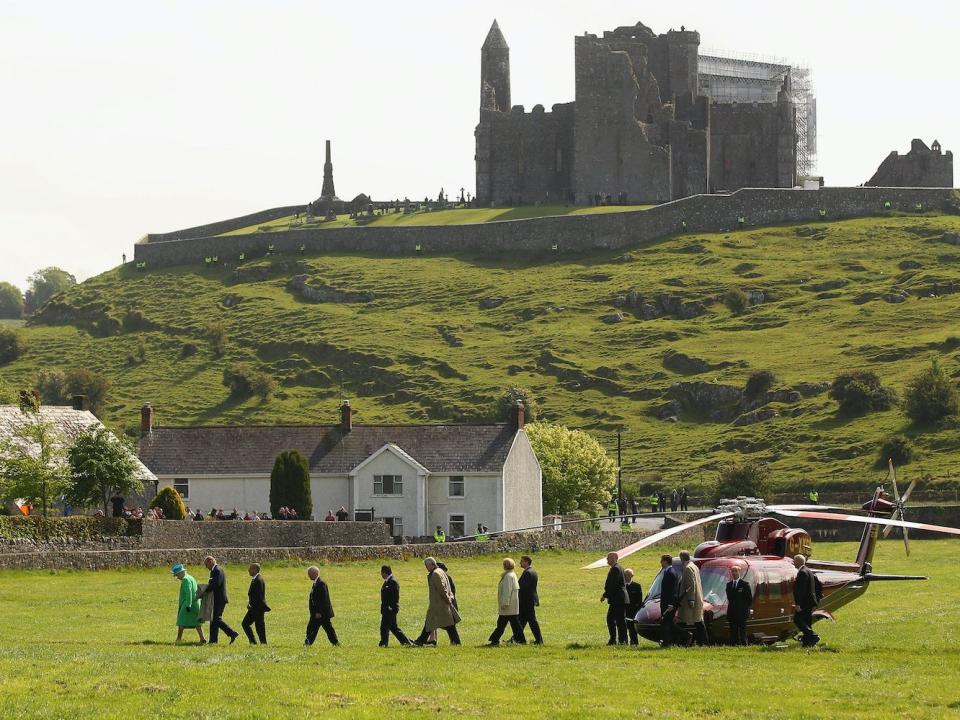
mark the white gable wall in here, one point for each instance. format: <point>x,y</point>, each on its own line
<point>409,506</point>
<point>522,486</point>
<point>482,502</point>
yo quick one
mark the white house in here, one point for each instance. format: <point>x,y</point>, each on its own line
<point>416,477</point>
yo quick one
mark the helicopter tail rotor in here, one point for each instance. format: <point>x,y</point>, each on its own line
<point>898,504</point>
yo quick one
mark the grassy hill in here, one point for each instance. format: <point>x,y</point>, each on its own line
<point>439,338</point>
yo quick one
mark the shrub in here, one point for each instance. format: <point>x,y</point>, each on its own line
<point>577,473</point>
<point>141,349</point>
<point>188,349</point>
<point>736,300</point>
<point>508,401</point>
<point>898,448</point>
<point>860,391</point>
<point>216,335</point>
<point>244,380</point>
<point>749,478</point>
<point>11,345</point>
<point>44,284</point>
<point>57,387</point>
<point>290,485</point>
<point>759,383</point>
<point>170,502</point>
<point>11,301</point>
<point>134,321</point>
<point>931,396</point>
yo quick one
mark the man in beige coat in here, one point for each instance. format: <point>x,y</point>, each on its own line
<point>441,612</point>
<point>508,603</point>
<point>691,599</point>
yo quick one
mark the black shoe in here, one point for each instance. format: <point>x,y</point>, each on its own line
<point>611,642</point>
<point>381,645</point>
<point>537,642</point>
<point>493,643</point>
<point>233,638</point>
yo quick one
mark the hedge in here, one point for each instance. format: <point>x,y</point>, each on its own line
<point>81,528</point>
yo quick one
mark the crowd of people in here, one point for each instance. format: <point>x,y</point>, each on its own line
<point>628,511</point>
<point>681,604</point>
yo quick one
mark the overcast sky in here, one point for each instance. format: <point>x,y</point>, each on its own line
<point>122,118</point>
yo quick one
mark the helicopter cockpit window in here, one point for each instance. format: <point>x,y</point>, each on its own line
<point>715,585</point>
<point>654,591</point>
<point>733,531</point>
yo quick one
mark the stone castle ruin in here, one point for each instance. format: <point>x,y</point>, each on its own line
<point>640,130</point>
<point>921,167</point>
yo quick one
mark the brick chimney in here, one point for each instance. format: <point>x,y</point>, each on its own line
<point>346,416</point>
<point>518,415</point>
<point>146,419</point>
<point>81,402</point>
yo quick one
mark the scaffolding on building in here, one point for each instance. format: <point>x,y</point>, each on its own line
<point>746,78</point>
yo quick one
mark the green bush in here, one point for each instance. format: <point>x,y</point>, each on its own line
<point>290,485</point>
<point>81,528</point>
<point>749,478</point>
<point>11,301</point>
<point>244,380</point>
<point>898,448</point>
<point>931,396</point>
<point>860,391</point>
<point>170,502</point>
<point>736,300</point>
<point>57,387</point>
<point>508,401</point>
<point>11,345</point>
<point>216,335</point>
<point>759,383</point>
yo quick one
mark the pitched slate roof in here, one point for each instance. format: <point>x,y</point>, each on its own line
<point>252,449</point>
<point>68,423</point>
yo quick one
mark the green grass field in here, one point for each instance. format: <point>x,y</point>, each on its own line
<point>99,644</point>
<point>456,216</point>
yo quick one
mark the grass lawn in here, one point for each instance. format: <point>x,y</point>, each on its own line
<point>99,645</point>
<point>457,216</point>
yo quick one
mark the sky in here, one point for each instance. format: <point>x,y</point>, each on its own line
<point>128,117</point>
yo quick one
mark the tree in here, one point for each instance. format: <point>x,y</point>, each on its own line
<point>290,484</point>
<point>11,345</point>
<point>749,479</point>
<point>860,391</point>
<point>170,503</point>
<point>33,463</point>
<point>11,301</point>
<point>931,396</point>
<point>736,300</point>
<point>577,474</point>
<point>102,466</point>
<point>898,448</point>
<point>508,401</point>
<point>57,387</point>
<point>44,284</point>
<point>244,380</point>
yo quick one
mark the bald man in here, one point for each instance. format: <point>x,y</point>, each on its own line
<point>321,609</point>
<point>217,586</point>
<point>615,595</point>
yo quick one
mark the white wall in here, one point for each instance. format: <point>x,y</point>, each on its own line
<point>523,486</point>
<point>481,502</point>
<point>409,506</point>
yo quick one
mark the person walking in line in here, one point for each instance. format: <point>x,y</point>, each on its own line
<point>256,606</point>
<point>321,609</point>
<point>508,605</point>
<point>390,608</point>
<point>529,599</point>
<point>634,603</point>
<point>684,500</point>
<point>805,600</point>
<point>739,602</point>
<point>217,587</point>
<point>668,601</point>
<point>188,606</point>
<point>615,594</point>
<point>691,599</point>
<point>441,612</point>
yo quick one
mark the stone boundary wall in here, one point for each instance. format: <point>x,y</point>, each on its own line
<point>514,545</point>
<point>171,534</point>
<point>572,233</point>
<point>222,226</point>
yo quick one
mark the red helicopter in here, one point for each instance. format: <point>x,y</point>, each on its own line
<point>763,548</point>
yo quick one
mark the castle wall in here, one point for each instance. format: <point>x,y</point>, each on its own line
<point>752,145</point>
<point>524,157</point>
<point>223,226</point>
<point>921,167</point>
<point>572,234</point>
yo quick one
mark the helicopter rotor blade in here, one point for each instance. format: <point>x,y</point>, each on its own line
<point>893,479</point>
<point>866,520</point>
<point>906,495</point>
<point>657,537</point>
<point>896,515</point>
<point>906,541</point>
<point>775,508</point>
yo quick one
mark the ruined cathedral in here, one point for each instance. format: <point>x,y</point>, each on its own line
<point>640,130</point>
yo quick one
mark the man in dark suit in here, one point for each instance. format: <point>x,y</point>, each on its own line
<point>321,609</point>
<point>256,606</point>
<point>739,602</point>
<point>668,600</point>
<point>615,594</point>
<point>389,607</point>
<point>805,600</point>
<point>217,586</point>
<point>529,599</point>
<point>634,602</point>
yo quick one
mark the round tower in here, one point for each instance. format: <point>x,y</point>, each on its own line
<point>495,71</point>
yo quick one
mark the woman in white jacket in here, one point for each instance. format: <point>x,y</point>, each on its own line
<point>508,601</point>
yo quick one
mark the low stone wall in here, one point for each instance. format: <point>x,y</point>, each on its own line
<point>572,234</point>
<point>167,534</point>
<point>222,226</point>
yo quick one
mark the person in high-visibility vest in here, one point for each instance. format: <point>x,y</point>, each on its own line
<point>814,497</point>
<point>654,502</point>
<point>439,536</point>
<point>612,510</point>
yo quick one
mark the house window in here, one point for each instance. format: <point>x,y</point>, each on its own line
<point>388,484</point>
<point>457,526</point>
<point>456,486</point>
<point>396,526</point>
<point>182,486</point>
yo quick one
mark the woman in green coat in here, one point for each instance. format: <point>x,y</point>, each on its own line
<point>188,606</point>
